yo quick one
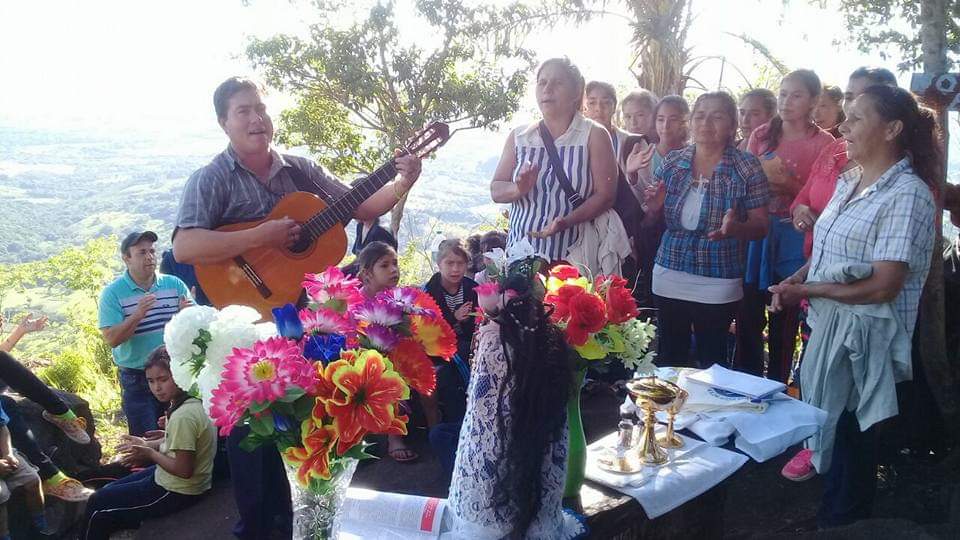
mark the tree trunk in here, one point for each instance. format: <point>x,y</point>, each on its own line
<point>931,331</point>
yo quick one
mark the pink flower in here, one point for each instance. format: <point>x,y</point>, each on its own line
<point>324,321</point>
<point>379,312</point>
<point>333,289</point>
<point>227,407</point>
<point>265,371</point>
<point>488,296</point>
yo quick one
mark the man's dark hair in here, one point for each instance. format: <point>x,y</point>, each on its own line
<point>226,90</point>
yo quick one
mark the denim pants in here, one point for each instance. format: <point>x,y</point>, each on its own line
<point>137,402</point>
<point>125,503</point>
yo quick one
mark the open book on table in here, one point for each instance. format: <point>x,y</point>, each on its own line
<point>378,515</point>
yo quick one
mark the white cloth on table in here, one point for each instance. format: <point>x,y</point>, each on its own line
<point>786,422</point>
<point>714,431</point>
<point>854,358</point>
<point>693,470</point>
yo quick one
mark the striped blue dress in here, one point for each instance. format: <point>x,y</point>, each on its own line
<point>547,200</point>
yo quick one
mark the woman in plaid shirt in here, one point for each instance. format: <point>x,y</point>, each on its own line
<point>883,215</point>
<point>712,198</point>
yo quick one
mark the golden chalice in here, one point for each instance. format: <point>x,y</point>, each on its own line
<point>671,439</point>
<point>652,395</point>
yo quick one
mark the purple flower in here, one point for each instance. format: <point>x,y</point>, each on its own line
<point>379,312</point>
<point>381,338</point>
<point>406,299</point>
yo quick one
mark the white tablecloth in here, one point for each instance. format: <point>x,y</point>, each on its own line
<point>691,471</point>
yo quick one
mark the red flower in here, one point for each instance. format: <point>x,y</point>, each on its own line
<point>425,301</point>
<point>561,301</point>
<point>587,316</point>
<point>565,272</point>
<point>435,335</point>
<point>621,306</point>
<point>414,366</point>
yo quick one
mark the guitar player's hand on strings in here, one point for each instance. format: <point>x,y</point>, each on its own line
<point>281,232</point>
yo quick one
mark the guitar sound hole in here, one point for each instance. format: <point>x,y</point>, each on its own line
<point>303,244</point>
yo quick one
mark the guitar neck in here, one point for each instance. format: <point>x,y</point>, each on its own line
<point>345,206</point>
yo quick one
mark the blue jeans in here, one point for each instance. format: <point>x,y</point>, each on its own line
<point>125,503</point>
<point>137,402</point>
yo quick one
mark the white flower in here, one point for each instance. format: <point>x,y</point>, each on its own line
<point>180,336</point>
<point>240,314</point>
<point>233,328</point>
<point>521,249</point>
<point>499,258</point>
<point>637,336</point>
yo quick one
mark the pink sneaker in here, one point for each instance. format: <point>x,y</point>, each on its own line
<point>800,467</point>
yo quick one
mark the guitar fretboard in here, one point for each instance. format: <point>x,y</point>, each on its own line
<point>344,207</point>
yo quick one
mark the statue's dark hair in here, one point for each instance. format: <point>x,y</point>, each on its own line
<point>538,383</point>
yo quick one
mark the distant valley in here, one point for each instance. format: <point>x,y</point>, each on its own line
<point>62,187</point>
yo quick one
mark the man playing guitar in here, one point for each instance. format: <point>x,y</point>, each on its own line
<point>243,183</point>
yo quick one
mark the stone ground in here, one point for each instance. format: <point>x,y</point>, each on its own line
<point>919,503</point>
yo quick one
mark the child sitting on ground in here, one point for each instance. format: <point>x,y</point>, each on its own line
<point>181,462</point>
<point>17,473</point>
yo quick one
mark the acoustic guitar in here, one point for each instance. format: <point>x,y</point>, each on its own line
<point>268,277</point>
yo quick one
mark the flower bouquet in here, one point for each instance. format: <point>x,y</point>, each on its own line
<point>316,383</point>
<point>599,321</point>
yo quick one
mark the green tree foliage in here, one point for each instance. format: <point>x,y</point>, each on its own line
<point>870,26</point>
<point>362,91</point>
<point>662,62</point>
<point>70,354</point>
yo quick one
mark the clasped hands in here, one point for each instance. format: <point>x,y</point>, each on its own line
<point>136,451</point>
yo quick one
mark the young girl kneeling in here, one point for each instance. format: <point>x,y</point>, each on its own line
<point>181,462</point>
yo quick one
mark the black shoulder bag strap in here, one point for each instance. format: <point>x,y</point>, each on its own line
<point>572,196</point>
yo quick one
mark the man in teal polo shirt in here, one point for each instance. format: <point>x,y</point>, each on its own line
<point>133,311</point>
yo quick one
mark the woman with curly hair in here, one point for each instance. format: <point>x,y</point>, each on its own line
<point>510,468</point>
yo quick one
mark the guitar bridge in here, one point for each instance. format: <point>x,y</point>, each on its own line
<point>253,276</point>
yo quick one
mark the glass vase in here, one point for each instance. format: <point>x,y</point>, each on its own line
<point>315,507</point>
